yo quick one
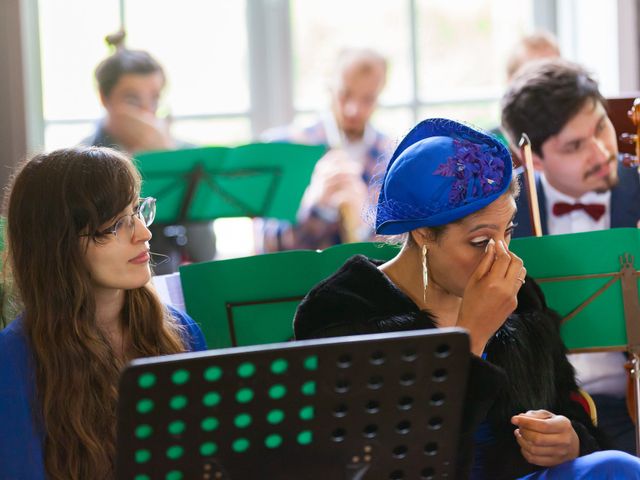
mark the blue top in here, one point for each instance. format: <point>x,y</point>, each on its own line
<point>21,455</point>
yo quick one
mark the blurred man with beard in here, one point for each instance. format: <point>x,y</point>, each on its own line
<point>332,206</point>
<point>581,187</point>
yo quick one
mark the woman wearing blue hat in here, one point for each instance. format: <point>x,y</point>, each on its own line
<point>449,189</point>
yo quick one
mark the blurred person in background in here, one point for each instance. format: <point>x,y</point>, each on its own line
<point>581,187</point>
<point>130,84</point>
<point>538,45</point>
<point>535,46</point>
<point>332,206</point>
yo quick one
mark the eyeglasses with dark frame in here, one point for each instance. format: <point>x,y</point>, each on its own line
<point>124,227</point>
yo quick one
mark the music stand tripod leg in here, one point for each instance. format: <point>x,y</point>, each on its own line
<point>631,305</point>
<point>635,375</point>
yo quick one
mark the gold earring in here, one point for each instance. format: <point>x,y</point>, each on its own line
<point>425,273</point>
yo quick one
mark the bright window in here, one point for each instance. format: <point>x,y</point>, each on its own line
<point>446,58</point>
<point>201,44</point>
<point>71,48</point>
<point>463,45</point>
<point>319,32</point>
<point>203,47</point>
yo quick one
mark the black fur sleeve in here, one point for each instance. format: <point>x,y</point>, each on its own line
<point>529,348</point>
<point>358,299</point>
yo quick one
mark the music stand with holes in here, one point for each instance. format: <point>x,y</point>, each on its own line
<point>201,184</point>
<point>361,407</point>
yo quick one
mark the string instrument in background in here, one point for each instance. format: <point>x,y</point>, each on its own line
<point>350,218</point>
<point>629,159</point>
<point>349,223</point>
<point>632,160</point>
<point>530,182</point>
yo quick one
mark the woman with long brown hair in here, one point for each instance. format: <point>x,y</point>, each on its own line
<point>78,254</point>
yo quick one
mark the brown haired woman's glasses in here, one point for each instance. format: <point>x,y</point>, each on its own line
<point>125,226</point>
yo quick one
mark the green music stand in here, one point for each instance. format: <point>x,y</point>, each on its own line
<point>590,279</point>
<point>252,300</point>
<point>363,407</point>
<point>201,184</point>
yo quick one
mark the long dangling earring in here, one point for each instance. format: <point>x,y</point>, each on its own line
<point>425,273</point>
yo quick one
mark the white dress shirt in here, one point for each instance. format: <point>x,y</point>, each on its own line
<point>601,372</point>
<point>578,220</point>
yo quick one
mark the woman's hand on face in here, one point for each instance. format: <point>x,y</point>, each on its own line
<point>491,294</point>
<point>545,439</point>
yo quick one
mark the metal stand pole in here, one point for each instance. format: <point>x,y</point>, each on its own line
<point>635,375</point>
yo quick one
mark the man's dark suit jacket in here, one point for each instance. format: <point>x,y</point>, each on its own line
<point>624,211</point>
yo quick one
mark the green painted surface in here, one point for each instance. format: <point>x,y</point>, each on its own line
<point>256,180</point>
<point>209,287</point>
<point>601,324</point>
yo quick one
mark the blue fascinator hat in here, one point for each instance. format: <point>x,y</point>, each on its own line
<point>441,172</point>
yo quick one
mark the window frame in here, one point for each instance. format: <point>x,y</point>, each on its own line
<point>270,57</point>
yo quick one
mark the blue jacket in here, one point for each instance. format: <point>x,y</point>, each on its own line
<point>21,446</point>
<point>624,211</point>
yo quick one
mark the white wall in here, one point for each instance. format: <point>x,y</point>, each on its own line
<point>603,36</point>
<point>629,45</point>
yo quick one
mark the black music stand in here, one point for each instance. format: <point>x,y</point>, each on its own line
<point>384,406</point>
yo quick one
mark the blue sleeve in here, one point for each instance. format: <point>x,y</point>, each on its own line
<point>195,338</point>
<point>21,455</point>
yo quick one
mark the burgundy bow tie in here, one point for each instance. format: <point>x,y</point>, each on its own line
<point>594,210</point>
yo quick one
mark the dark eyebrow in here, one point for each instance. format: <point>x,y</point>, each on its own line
<point>581,139</point>
<point>573,141</point>
<point>492,226</point>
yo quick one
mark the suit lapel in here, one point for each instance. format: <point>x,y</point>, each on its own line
<point>542,205</point>
<point>625,199</point>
